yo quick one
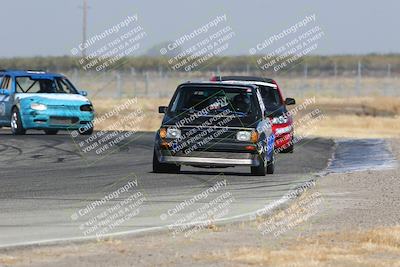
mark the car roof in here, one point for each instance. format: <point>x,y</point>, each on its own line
<point>218,83</point>
<point>243,78</point>
<point>38,73</point>
<point>253,82</point>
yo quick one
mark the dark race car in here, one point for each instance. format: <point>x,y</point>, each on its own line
<point>213,124</point>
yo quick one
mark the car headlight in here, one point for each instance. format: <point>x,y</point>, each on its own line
<point>243,136</point>
<point>37,106</point>
<point>173,133</point>
<point>280,120</point>
<point>86,107</point>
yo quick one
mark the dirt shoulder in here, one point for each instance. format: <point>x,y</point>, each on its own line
<point>346,219</point>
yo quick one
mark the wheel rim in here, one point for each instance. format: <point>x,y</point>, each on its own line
<point>14,121</point>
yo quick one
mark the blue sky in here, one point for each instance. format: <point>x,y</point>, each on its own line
<point>53,27</point>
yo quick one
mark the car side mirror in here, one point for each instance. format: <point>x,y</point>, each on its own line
<point>4,92</point>
<point>290,101</point>
<point>83,93</point>
<point>162,109</point>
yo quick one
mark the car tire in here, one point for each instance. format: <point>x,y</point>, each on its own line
<point>51,132</point>
<point>16,123</point>
<point>261,169</point>
<point>159,167</point>
<point>87,131</point>
<point>271,165</point>
<point>288,149</point>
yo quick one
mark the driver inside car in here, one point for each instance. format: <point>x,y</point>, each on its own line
<point>46,86</point>
<point>241,103</point>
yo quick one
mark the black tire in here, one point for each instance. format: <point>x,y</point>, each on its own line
<point>16,123</point>
<point>87,131</point>
<point>271,165</point>
<point>288,149</point>
<point>261,169</point>
<point>159,167</point>
<point>51,131</point>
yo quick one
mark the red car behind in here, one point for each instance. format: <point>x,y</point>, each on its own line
<point>282,121</point>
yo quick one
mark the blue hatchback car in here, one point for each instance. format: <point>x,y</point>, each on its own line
<point>43,101</point>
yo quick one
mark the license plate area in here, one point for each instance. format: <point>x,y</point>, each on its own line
<point>63,120</point>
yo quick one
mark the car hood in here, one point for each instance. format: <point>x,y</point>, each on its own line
<point>177,119</point>
<point>53,99</point>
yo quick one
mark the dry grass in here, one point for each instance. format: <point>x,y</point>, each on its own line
<point>375,247</point>
<point>149,106</point>
<point>364,117</point>
<point>7,260</point>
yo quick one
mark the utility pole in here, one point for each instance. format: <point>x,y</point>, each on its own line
<point>84,27</point>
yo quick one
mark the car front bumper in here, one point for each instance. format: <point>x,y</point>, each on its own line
<point>209,159</point>
<point>50,119</point>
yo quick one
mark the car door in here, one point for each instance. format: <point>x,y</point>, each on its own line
<point>6,98</point>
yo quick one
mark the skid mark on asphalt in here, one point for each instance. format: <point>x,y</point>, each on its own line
<point>362,155</point>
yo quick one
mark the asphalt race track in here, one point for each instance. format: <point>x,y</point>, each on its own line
<point>45,180</point>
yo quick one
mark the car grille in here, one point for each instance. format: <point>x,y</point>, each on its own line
<point>214,154</point>
<point>219,132</point>
<point>62,107</point>
<point>63,120</point>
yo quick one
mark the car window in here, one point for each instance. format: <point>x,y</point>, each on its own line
<point>6,83</point>
<point>270,96</point>
<point>28,84</point>
<point>239,100</point>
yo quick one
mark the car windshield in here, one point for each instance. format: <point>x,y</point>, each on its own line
<point>210,100</point>
<point>29,84</point>
<point>270,97</point>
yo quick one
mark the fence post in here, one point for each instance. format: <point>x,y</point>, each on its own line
<point>133,78</point>
<point>305,71</point>
<point>335,70</point>
<point>387,88</point>
<point>76,77</point>
<point>146,82</point>
<point>358,84</point>
<point>119,87</point>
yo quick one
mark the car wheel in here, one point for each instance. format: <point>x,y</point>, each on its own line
<point>16,123</point>
<point>51,132</point>
<point>261,169</point>
<point>87,131</point>
<point>288,149</point>
<point>159,167</point>
<point>271,165</point>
